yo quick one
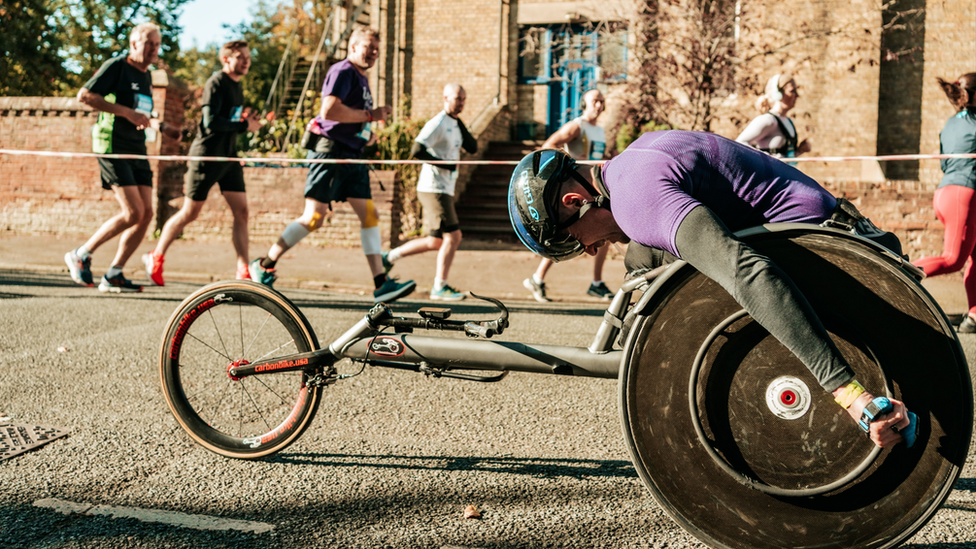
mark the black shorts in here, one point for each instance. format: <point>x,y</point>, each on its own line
<point>125,173</point>
<point>201,176</point>
<point>439,214</point>
<point>336,182</point>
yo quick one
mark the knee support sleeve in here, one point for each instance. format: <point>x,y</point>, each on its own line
<point>316,222</point>
<point>371,220</point>
<point>372,243</point>
<point>294,233</point>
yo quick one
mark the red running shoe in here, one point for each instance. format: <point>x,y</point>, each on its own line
<point>154,268</point>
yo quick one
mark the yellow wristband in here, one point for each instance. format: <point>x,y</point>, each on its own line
<point>849,393</point>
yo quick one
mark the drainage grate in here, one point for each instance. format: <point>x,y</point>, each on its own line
<point>17,439</point>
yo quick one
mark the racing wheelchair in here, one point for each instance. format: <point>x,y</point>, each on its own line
<point>730,433</point>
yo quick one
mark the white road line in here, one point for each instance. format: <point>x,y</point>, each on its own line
<point>173,518</point>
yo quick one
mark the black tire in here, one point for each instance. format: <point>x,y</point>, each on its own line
<point>226,322</point>
<point>736,470</point>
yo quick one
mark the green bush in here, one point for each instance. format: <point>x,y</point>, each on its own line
<point>628,133</point>
<point>393,142</point>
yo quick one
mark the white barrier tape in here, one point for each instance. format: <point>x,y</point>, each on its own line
<point>255,159</point>
<point>267,160</point>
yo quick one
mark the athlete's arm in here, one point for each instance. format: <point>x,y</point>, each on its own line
<point>468,142</point>
<point>757,132</point>
<point>420,152</point>
<point>563,136</point>
<point>334,109</point>
<point>98,103</point>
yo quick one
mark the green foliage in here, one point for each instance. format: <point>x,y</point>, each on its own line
<point>628,133</point>
<point>29,45</point>
<point>94,32</point>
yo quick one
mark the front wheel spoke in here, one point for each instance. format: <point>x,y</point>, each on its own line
<point>280,347</point>
<point>257,408</point>
<point>256,334</point>
<point>217,405</point>
<point>207,345</point>
<point>216,329</point>
<point>270,390</point>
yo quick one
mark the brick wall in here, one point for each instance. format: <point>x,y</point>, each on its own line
<point>950,51</point>
<point>53,195</point>
<point>274,198</point>
<point>63,196</point>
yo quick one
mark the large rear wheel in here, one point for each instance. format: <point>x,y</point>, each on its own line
<point>226,324</point>
<point>740,445</point>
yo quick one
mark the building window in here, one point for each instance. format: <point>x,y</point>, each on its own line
<point>549,52</point>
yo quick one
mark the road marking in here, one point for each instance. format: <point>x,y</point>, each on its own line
<point>173,518</point>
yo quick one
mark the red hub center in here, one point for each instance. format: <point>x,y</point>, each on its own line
<point>235,364</point>
<point>788,398</point>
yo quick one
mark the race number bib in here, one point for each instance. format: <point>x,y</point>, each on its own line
<point>598,149</point>
<point>365,133</point>
<point>144,104</point>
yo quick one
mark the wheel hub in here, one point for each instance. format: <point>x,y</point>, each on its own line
<point>788,397</point>
<point>235,364</point>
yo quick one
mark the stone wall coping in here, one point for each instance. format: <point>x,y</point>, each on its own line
<point>41,104</point>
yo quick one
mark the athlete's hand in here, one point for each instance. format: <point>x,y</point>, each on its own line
<point>804,147</point>
<point>380,114</point>
<point>140,120</point>
<point>253,122</point>
<point>882,431</point>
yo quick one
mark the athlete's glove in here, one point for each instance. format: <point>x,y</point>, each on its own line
<point>881,406</point>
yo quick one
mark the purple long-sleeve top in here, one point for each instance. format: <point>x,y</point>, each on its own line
<point>663,175</point>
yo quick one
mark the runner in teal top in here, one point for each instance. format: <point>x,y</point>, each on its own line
<point>955,198</point>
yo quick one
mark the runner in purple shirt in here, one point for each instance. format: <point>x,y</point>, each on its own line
<point>682,194</point>
<point>342,130</point>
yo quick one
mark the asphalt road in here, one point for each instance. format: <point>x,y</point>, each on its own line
<point>391,460</point>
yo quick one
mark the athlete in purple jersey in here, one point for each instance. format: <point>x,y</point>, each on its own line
<point>684,193</point>
<point>662,176</point>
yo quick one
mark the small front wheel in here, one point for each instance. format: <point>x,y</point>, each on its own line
<point>223,325</point>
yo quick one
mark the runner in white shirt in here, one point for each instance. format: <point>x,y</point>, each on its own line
<point>773,132</point>
<point>583,140</point>
<point>442,138</point>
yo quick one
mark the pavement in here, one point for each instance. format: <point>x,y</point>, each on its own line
<point>487,268</point>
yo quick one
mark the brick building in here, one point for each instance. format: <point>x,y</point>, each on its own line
<point>852,102</point>
<point>525,62</point>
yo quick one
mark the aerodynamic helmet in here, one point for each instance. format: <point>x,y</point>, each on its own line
<point>533,204</point>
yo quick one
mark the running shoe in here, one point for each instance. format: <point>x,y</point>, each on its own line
<point>260,274</point>
<point>387,264</point>
<point>447,293</point>
<point>968,326</point>
<point>538,289</point>
<point>243,273</point>
<point>392,290</point>
<point>154,268</point>
<point>79,268</point>
<point>599,290</point>
<point>118,285</point>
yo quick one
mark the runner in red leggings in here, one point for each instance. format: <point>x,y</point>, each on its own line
<point>955,198</point>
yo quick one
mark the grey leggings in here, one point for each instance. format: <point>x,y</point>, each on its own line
<point>756,283</point>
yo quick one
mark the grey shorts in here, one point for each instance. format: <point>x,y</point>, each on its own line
<point>439,214</point>
<point>201,176</point>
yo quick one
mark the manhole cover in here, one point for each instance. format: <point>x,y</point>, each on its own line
<point>17,439</point>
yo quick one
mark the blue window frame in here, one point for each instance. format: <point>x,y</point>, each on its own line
<point>570,59</point>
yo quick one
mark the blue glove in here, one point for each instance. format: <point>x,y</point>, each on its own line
<point>881,406</point>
